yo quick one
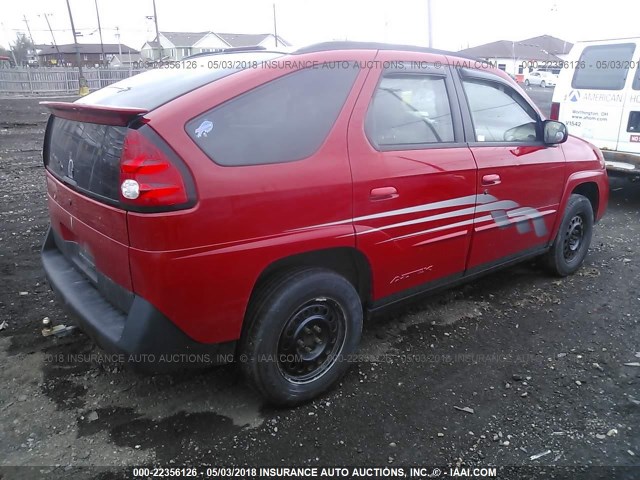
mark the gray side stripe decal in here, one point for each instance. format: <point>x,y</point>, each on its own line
<point>504,213</point>
<point>500,205</point>
<point>454,202</point>
<point>438,229</point>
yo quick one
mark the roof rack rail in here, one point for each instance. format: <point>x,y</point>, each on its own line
<point>352,45</point>
<point>251,48</point>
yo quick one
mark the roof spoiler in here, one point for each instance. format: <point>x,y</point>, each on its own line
<point>101,114</point>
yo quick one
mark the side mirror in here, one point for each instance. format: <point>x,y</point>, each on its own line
<point>554,132</point>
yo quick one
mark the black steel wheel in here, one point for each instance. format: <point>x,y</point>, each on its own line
<point>571,244</point>
<point>573,238</point>
<point>311,340</point>
<point>302,327</point>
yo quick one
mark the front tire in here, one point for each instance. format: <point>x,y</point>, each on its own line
<point>543,84</point>
<point>526,83</point>
<point>303,327</point>
<point>574,237</point>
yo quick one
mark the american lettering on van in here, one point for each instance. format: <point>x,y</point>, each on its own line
<point>603,97</point>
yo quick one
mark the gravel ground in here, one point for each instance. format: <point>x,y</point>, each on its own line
<point>540,361</point>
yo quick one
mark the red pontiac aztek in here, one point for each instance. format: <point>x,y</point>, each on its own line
<point>259,204</point>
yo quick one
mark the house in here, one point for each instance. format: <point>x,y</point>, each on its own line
<point>90,54</point>
<point>518,57</point>
<point>133,60</point>
<point>178,45</point>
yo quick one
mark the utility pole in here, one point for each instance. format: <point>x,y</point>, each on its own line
<point>55,44</point>
<point>83,87</point>
<point>155,20</point>
<point>33,44</point>
<point>275,25</point>
<point>430,24</point>
<point>119,44</point>
<point>104,58</point>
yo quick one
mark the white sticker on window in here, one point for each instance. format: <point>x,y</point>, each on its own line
<point>481,138</point>
<point>204,128</point>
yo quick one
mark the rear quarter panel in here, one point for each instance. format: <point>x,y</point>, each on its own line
<point>199,266</point>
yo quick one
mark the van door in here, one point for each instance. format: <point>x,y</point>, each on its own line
<point>629,136</point>
<point>593,106</point>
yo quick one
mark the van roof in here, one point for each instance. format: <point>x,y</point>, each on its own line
<point>609,40</point>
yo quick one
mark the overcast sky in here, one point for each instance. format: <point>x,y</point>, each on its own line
<point>456,23</point>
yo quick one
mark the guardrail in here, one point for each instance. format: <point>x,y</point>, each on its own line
<point>58,79</point>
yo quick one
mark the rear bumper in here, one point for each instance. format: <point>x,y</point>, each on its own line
<point>622,163</point>
<point>147,340</point>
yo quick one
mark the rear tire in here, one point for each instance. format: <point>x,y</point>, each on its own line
<point>570,246</point>
<point>526,83</point>
<point>302,328</point>
<point>543,84</point>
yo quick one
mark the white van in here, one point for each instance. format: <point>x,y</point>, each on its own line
<point>598,97</point>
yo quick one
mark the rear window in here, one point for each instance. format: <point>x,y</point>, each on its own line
<point>156,87</point>
<point>86,155</point>
<point>284,120</point>
<point>603,67</point>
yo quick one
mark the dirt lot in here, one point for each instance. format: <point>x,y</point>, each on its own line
<point>539,360</point>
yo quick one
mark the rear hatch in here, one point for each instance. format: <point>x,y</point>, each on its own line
<point>103,159</point>
<point>88,226</point>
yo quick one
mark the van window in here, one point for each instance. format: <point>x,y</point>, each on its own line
<point>499,114</point>
<point>409,110</point>
<point>603,67</point>
<point>284,120</point>
<point>636,79</point>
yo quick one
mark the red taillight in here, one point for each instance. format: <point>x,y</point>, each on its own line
<point>555,111</point>
<point>148,176</point>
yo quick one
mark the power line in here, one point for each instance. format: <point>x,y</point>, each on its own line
<point>68,29</point>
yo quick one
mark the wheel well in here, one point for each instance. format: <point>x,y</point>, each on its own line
<point>589,190</point>
<point>346,261</point>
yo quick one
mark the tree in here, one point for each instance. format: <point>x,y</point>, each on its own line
<point>23,48</point>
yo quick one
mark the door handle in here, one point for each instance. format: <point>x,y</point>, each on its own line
<point>383,193</point>
<point>491,179</point>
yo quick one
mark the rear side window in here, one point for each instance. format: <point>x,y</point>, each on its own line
<point>636,78</point>
<point>284,120</point>
<point>86,155</point>
<point>603,67</point>
<point>409,110</point>
<point>499,114</point>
